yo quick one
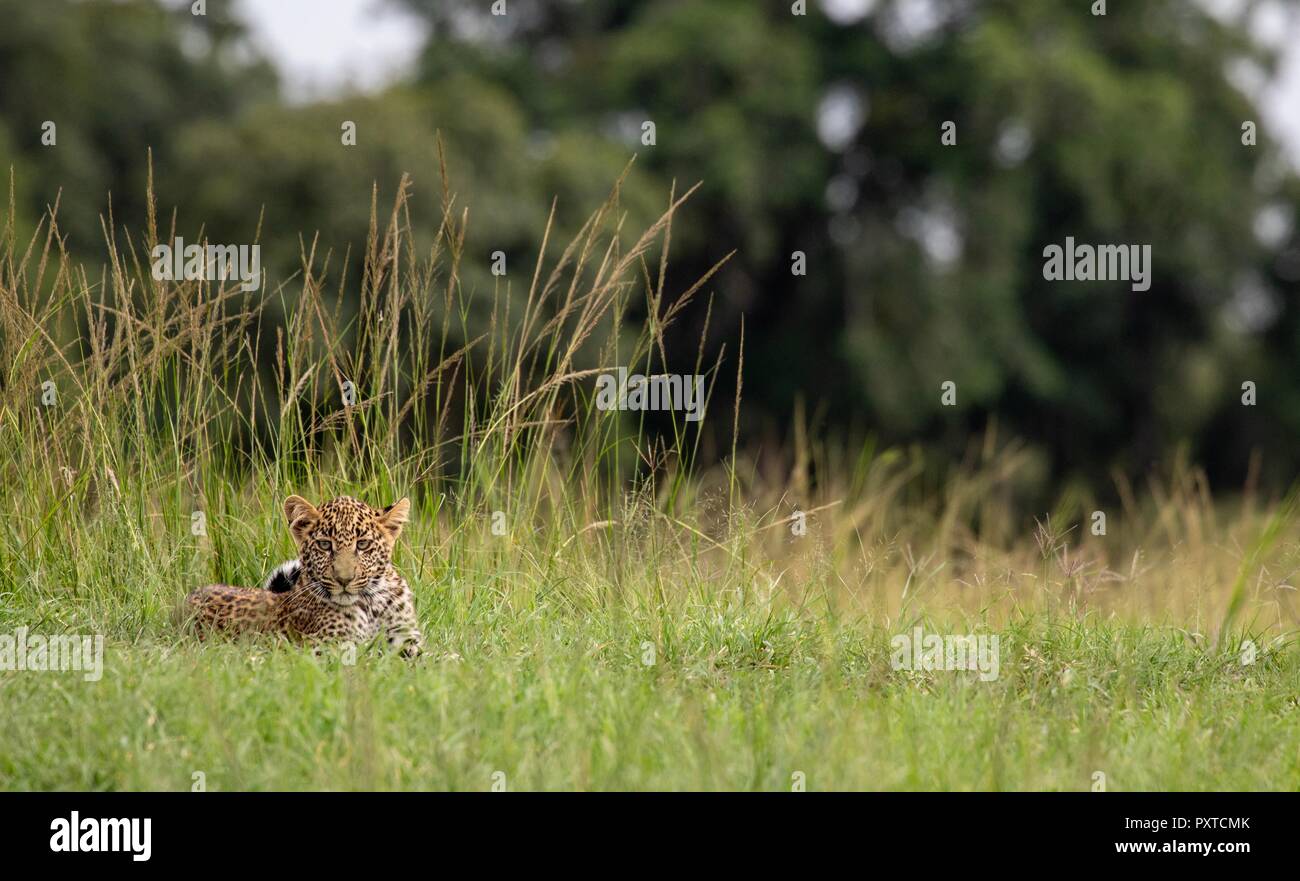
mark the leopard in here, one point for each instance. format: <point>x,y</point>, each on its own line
<point>342,586</point>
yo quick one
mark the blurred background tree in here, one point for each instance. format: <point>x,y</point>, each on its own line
<point>818,134</point>
<point>116,79</point>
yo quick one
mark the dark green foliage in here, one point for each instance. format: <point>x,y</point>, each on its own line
<point>924,261</point>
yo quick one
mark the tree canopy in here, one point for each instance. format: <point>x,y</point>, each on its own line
<point>888,182</point>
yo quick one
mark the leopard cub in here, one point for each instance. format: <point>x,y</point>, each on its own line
<point>342,586</point>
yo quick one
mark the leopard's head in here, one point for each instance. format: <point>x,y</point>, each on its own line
<point>345,546</point>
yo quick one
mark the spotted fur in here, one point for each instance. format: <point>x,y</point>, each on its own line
<point>342,586</point>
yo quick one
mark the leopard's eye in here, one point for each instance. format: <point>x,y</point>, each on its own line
<point>324,544</point>
<point>363,544</point>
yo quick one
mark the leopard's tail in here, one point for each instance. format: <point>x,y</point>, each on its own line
<point>283,578</point>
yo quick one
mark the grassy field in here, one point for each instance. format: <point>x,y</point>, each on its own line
<point>628,620</point>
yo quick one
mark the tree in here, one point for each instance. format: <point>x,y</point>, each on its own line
<point>925,259</point>
<point>115,79</point>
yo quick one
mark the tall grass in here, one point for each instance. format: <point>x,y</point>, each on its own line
<point>378,374</point>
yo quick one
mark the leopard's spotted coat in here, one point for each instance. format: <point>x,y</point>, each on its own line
<point>342,586</point>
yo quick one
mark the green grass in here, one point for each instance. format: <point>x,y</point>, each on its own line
<point>644,622</point>
<point>559,702</point>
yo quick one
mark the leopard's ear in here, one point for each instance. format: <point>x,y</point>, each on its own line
<point>301,515</point>
<point>394,517</point>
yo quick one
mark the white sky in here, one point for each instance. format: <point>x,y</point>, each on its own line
<point>323,47</point>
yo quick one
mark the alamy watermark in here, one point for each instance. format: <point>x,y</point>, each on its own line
<point>23,651</point>
<point>921,651</point>
<point>211,262</point>
<point>1084,262</point>
<point>78,834</point>
<point>663,391</point>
